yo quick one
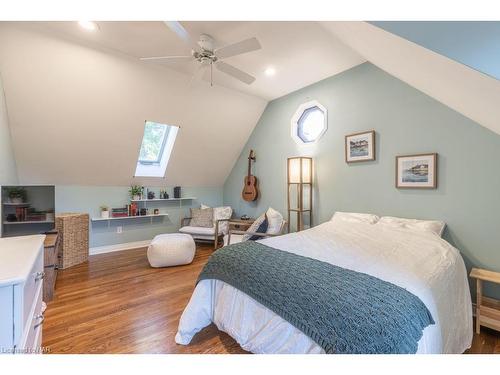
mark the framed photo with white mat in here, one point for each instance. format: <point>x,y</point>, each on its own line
<point>416,171</point>
<point>360,147</point>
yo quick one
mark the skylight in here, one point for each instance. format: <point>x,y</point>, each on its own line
<point>157,144</point>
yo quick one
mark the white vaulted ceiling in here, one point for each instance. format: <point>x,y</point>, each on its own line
<point>77,101</point>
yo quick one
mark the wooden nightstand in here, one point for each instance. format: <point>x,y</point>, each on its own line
<point>238,224</point>
<point>487,309</point>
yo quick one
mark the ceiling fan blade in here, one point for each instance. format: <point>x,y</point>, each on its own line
<point>234,72</point>
<point>247,45</point>
<point>168,58</point>
<point>181,32</point>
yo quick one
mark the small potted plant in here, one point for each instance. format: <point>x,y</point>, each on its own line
<point>105,212</point>
<point>135,192</point>
<point>16,194</point>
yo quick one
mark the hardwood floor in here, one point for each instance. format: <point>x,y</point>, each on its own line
<point>116,303</point>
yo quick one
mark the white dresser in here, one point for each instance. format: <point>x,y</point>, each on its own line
<point>21,281</point>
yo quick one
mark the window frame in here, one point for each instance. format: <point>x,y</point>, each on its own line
<point>158,168</point>
<point>162,147</point>
<point>298,115</point>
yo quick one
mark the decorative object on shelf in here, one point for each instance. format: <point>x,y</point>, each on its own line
<point>245,217</point>
<point>144,211</point>
<point>163,194</point>
<point>50,215</point>
<point>119,212</point>
<point>11,218</point>
<point>177,192</point>
<point>299,178</point>
<point>250,191</point>
<point>151,194</point>
<point>104,212</point>
<point>360,147</point>
<point>132,209</point>
<point>136,192</point>
<point>416,171</point>
<point>156,211</point>
<point>16,194</point>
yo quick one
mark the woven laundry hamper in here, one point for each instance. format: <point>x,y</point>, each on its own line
<point>74,238</point>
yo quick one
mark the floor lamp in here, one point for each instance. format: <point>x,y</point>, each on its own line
<point>299,181</point>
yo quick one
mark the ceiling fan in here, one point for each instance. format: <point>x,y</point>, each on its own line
<point>207,56</point>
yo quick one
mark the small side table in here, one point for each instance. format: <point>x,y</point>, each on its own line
<point>238,224</point>
<point>487,309</point>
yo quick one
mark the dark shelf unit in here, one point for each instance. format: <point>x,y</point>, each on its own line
<point>39,197</point>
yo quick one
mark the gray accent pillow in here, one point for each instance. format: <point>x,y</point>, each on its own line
<point>202,217</point>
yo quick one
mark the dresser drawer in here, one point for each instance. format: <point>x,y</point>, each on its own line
<point>32,336</point>
<point>31,286</point>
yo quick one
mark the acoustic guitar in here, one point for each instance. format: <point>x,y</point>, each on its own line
<point>250,191</point>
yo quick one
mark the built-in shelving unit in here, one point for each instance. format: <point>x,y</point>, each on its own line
<point>28,222</point>
<point>162,199</point>
<point>109,219</point>
<point>18,218</point>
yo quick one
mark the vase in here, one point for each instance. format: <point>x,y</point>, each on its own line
<point>136,197</point>
<point>105,214</point>
<point>16,200</point>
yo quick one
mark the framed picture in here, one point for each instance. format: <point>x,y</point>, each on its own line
<point>360,147</point>
<point>416,171</point>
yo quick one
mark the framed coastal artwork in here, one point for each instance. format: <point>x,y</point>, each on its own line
<point>416,171</point>
<point>360,147</point>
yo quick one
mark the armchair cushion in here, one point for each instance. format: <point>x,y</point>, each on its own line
<point>261,229</point>
<point>202,217</point>
<point>221,213</point>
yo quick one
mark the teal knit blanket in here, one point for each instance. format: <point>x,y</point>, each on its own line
<point>343,311</point>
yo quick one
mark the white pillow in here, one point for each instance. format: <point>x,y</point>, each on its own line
<point>275,220</point>
<point>353,217</point>
<point>432,226</point>
<point>224,212</point>
<point>253,228</point>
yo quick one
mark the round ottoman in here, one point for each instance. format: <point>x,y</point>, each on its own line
<point>171,249</point>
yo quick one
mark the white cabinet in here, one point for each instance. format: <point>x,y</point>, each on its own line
<point>21,291</point>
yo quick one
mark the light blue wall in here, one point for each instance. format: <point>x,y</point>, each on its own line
<point>88,199</point>
<point>406,121</point>
<point>472,43</point>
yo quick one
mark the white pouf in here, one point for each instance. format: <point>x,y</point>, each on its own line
<point>171,249</point>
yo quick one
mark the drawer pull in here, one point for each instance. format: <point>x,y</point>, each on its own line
<point>39,276</point>
<point>40,317</point>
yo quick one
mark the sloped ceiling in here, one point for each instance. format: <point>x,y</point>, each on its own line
<point>77,102</point>
<point>461,88</point>
<point>290,47</point>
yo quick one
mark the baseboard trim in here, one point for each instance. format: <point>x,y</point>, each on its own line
<point>118,247</point>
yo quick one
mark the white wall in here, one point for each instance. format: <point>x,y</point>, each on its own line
<point>77,114</point>
<point>8,172</point>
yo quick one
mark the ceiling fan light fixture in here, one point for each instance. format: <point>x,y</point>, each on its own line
<point>88,25</point>
<point>270,71</point>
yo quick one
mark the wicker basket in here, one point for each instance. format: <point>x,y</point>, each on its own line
<point>74,238</point>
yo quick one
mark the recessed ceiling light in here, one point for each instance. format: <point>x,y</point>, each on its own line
<point>270,71</point>
<point>88,25</point>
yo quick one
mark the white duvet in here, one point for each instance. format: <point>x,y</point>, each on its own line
<point>420,262</point>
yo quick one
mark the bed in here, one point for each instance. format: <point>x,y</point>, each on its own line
<point>417,260</point>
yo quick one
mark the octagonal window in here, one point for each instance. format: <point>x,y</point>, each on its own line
<point>309,123</point>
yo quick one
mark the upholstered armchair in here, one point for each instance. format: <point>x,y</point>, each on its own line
<point>276,227</point>
<point>215,233</point>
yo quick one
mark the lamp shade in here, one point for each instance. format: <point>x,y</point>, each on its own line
<point>300,170</point>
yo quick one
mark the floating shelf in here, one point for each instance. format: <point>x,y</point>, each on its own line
<point>128,217</point>
<point>161,199</point>
<point>29,222</point>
